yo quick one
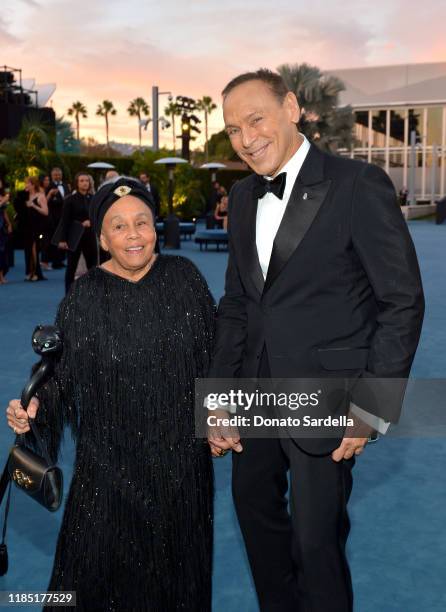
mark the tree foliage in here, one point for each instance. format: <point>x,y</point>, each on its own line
<point>322,120</point>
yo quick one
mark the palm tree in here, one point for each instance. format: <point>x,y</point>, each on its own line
<point>77,109</point>
<point>206,105</point>
<point>173,111</point>
<point>138,108</point>
<point>105,109</point>
<point>318,94</point>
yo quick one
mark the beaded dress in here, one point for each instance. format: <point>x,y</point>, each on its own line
<point>136,533</point>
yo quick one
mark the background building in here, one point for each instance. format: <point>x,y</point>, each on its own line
<point>389,103</point>
<point>22,98</point>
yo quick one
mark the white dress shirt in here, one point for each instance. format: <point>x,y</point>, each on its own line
<point>270,210</point>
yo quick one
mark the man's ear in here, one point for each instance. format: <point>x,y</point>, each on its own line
<point>292,106</point>
<point>103,242</point>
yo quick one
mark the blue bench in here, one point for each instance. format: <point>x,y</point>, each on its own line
<point>218,237</point>
<point>187,230</point>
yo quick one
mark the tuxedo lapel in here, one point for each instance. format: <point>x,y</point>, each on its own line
<point>307,196</point>
<point>248,239</point>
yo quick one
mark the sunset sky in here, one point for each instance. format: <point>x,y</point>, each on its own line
<point>113,49</point>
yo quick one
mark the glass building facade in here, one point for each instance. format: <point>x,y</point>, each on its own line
<point>400,123</point>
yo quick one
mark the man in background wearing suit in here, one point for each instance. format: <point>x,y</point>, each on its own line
<point>145,180</point>
<point>322,280</point>
<point>56,193</point>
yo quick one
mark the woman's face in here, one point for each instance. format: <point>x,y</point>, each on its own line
<point>28,186</point>
<point>46,182</point>
<point>224,202</point>
<point>128,233</point>
<point>83,183</point>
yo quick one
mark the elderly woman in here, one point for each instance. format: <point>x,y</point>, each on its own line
<point>137,529</point>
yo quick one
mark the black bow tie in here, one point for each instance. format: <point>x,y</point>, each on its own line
<point>276,186</point>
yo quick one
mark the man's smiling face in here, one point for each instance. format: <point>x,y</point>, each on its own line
<point>262,130</point>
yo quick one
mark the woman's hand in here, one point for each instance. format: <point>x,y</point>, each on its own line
<point>18,417</point>
<point>86,223</point>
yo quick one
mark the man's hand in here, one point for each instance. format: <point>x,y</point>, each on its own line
<point>18,417</point>
<point>222,437</point>
<point>86,223</point>
<point>63,245</point>
<point>355,438</point>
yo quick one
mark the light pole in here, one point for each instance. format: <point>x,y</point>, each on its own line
<point>155,114</point>
<point>171,222</point>
<point>213,167</point>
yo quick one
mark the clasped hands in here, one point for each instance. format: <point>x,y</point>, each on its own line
<point>221,439</point>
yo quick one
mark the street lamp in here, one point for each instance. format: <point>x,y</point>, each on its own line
<point>171,223</point>
<point>155,113</point>
<point>213,167</point>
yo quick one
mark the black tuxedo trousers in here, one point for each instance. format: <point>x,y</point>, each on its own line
<point>296,541</point>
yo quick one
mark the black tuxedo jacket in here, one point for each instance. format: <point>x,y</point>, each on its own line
<point>55,203</point>
<point>75,208</point>
<point>343,294</point>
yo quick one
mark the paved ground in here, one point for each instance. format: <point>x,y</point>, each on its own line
<point>398,508</point>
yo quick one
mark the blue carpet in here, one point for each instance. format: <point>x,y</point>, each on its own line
<point>397,547</point>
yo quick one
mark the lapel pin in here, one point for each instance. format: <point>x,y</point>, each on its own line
<point>305,196</point>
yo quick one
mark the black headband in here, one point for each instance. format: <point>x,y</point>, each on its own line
<point>109,193</point>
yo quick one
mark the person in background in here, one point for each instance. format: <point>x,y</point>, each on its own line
<point>5,232</point>
<point>45,182</point>
<point>221,212</point>
<point>214,196</point>
<point>151,188</point>
<point>56,193</point>
<point>111,174</point>
<point>37,210</point>
<point>92,187</point>
<point>403,195</point>
<point>76,209</point>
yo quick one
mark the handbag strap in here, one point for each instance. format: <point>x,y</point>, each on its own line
<point>5,520</point>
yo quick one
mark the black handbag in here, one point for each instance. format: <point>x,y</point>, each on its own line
<point>34,474</point>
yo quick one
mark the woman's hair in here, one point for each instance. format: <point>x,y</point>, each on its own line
<point>35,182</point>
<point>92,189</point>
<point>42,178</point>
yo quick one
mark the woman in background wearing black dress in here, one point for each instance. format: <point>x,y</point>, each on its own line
<point>136,534</point>
<point>76,209</point>
<point>5,233</point>
<point>221,212</point>
<point>36,212</point>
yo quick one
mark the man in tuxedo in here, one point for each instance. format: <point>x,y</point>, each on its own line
<point>56,192</point>
<point>322,281</point>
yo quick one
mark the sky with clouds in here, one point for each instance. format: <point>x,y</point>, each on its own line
<point>118,49</point>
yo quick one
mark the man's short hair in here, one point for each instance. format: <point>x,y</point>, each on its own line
<point>272,79</point>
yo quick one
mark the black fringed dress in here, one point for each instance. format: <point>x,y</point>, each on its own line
<point>136,534</point>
